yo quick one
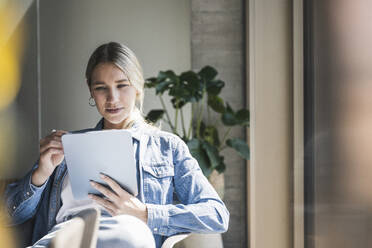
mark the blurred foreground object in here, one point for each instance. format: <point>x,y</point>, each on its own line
<point>339,190</point>
<point>9,59</point>
<point>11,36</point>
<point>9,87</point>
<point>6,236</point>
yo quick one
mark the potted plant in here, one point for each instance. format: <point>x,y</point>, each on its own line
<point>202,90</point>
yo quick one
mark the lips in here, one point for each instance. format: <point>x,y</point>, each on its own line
<point>114,110</point>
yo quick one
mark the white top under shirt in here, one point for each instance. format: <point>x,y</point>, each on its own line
<point>71,206</point>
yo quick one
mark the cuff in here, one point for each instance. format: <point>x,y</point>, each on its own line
<point>157,218</point>
<point>20,192</point>
<point>34,188</point>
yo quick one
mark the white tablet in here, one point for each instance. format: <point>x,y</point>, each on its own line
<point>107,151</point>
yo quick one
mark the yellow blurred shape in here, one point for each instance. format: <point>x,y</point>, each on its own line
<point>6,236</point>
<point>9,66</point>
<point>9,87</point>
<point>7,143</point>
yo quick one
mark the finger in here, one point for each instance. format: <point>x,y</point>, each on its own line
<point>59,132</point>
<point>56,138</point>
<point>51,144</point>
<point>105,191</point>
<point>105,203</point>
<point>51,151</point>
<point>113,185</point>
<point>52,136</point>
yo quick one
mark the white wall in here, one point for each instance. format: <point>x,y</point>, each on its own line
<point>157,31</point>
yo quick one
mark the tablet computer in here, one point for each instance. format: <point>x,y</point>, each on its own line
<point>108,151</point>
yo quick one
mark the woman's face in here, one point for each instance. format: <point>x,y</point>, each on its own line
<point>113,93</point>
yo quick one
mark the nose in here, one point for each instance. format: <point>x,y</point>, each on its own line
<point>113,95</point>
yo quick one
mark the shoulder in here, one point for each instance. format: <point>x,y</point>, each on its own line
<point>161,136</point>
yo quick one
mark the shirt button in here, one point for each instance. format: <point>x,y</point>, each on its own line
<point>155,229</point>
<point>14,207</point>
<point>27,193</point>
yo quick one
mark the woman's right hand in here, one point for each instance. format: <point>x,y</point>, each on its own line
<point>51,155</point>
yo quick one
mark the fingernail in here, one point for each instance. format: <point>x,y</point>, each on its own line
<point>102,175</point>
<point>92,182</point>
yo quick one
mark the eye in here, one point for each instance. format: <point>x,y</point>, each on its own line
<point>122,85</point>
<point>100,88</point>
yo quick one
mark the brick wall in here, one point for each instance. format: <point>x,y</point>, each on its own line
<point>217,39</point>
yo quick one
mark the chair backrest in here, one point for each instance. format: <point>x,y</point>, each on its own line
<point>91,220</point>
<point>70,235</point>
<point>80,231</point>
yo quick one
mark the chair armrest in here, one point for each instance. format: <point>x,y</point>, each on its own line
<point>172,240</point>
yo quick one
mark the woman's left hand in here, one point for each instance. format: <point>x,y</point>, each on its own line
<point>118,200</point>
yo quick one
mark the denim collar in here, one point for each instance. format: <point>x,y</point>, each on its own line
<point>134,130</point>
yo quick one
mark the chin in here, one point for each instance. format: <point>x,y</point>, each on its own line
<point>116,120</point>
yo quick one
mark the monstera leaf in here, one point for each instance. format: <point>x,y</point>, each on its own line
<point>200,155</point>
<point>207,73</point>
<point>240,146</point>
<point>155,115</point>
<point>216,103</point>
<point>231,118</point>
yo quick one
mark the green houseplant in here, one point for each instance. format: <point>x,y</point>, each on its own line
<point>201,135</point>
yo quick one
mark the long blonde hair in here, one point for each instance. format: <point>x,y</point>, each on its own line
<point>126,60</point>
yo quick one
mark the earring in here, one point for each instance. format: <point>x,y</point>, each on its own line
<point>92,103</point>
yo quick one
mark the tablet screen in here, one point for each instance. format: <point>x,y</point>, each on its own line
<point>108,151</point>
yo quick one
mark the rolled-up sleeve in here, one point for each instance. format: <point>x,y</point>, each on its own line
<point>201,210</point>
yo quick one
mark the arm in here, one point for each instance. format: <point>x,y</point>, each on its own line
<point>201,210</point>
<point>22,198</point>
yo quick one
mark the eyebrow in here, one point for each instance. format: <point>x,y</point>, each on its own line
<point>122,80</point>
<point>117,81</point>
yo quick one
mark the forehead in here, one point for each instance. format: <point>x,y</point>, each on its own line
<point>107,72</point>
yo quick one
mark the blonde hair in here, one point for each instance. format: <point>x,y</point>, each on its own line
<point>126,60</point>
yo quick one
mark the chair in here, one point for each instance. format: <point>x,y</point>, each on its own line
<point>81,231</point>
<point>83,228</point>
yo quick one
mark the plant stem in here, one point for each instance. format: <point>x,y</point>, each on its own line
<point>176,119</point>
<point>191,119</point>
<point>200,115</point>
<point>166,113</point>
<point>224,137</point>
<point>183,123</point>
<point>209,114</point>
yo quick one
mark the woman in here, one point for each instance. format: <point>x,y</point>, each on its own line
<point>164,167</point>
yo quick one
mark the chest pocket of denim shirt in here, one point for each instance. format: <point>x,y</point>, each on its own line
<point>157,178</point>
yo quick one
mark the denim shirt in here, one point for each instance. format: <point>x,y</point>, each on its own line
<point>166,168</point>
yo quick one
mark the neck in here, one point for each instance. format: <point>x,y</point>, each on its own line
<point>122,125</point>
